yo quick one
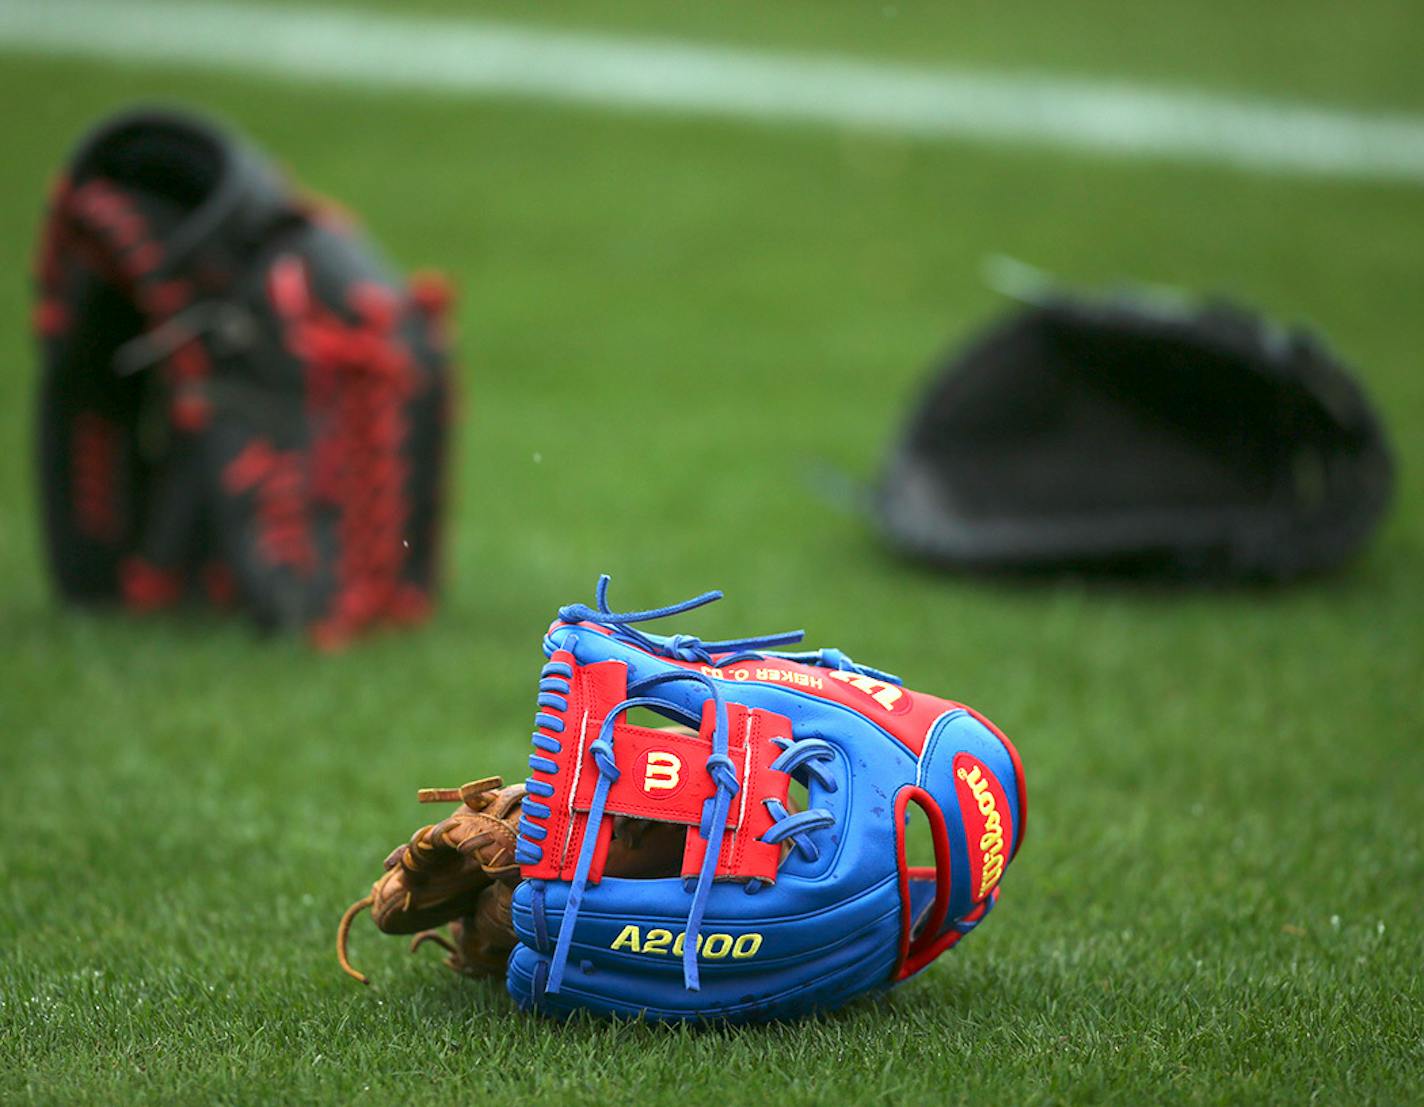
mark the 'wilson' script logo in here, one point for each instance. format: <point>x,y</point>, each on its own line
<point>987,822</point>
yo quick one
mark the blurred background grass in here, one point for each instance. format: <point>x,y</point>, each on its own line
<point>664,325</point>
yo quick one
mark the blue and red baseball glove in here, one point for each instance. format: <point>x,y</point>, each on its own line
<point>668,872</point>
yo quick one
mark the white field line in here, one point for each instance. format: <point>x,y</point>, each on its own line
<point>466,57</point>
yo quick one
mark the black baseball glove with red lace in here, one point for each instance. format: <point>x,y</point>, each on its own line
<point>240,401</point>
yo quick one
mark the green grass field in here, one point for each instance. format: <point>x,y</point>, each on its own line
<point>665,324</point>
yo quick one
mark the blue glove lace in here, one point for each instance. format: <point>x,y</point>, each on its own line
<point>679,647</point>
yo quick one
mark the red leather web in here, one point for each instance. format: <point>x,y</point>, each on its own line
<point>662,776</point>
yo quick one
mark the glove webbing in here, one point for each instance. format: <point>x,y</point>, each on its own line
<point>719,766</point>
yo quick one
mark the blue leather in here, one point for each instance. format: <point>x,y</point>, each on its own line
<point>830,928</point>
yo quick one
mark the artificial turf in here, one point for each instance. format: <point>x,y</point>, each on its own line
<point>668,327</point>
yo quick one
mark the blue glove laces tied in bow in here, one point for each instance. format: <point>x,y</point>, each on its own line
<point>687,647</point>
<point>679,647</point>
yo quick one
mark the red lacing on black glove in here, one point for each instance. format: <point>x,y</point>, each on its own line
<point>94,448</point>
<point>102,224</point>
<point>283,524</point>
<point>220,584</point>
<point>147,587</point>
<point>359,379</point>
<point>50,317</point>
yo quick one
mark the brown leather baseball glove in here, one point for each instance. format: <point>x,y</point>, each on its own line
<point>461,871</point>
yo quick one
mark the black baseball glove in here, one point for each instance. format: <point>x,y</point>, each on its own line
<point>1135,435</point>
<point>240,399</point>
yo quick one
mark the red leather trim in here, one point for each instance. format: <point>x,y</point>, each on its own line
<point>907,725</point>
<point>916,955</point>
<point>945,941</point>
